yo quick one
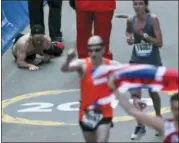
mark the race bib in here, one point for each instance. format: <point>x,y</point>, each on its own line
<point>143,49</point>
<point>91,119</point>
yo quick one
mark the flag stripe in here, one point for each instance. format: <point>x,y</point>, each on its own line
<point>128,77</point>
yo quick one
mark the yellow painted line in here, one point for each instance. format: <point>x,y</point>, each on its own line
<point>16,120</point>
<point>171,92</point>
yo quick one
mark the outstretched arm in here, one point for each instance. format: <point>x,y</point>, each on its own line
<point>154,122</point>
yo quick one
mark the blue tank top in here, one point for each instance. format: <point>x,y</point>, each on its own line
<point>144,52</point>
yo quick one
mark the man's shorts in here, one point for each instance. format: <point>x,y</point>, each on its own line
<point>103,121</point>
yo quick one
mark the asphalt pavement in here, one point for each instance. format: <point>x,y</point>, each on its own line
<point>42,106</point>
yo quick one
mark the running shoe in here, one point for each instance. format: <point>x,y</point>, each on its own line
<point>138,133</point>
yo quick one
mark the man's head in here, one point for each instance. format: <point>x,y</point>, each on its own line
<point>37,32</point>
<point>174,101</point>
<point>96,47</point>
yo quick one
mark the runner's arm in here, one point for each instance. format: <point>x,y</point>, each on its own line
<point>157,40</point>
<point>154,122</point>
<point>129,32</point>
<point>73,65</point>
<point>129,26</point>
<point>21,56</point>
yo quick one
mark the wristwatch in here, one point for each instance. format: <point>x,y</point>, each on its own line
<point>145,35</point>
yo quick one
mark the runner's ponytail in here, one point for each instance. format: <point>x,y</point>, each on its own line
<point>147,10</point>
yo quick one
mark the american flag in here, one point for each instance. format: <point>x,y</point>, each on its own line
<point>135,76</point>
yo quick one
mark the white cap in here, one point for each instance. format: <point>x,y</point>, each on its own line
<point>95,41</point>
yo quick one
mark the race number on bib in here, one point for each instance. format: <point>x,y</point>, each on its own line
<point>143,49</point>
<point>91,119</point>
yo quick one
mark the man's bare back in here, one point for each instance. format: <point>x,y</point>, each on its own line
<point>31,47</point>
<point>25,43</point>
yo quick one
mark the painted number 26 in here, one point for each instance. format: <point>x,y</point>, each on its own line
<point>69,106</point>
<point>47,107</point>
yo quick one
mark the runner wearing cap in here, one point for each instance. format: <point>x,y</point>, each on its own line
<point>28,49</point>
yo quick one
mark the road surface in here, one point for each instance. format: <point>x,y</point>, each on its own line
<point>42,106</point>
